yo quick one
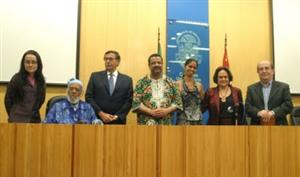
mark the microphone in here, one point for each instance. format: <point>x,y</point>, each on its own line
<point>236,113</point>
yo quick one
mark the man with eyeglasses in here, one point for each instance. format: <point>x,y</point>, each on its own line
<point>110,92</point>
<point>72,110</point>
<point>268,101</point>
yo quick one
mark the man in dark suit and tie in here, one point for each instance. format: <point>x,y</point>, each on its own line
<point>110,92</point>
<point>268,99</point>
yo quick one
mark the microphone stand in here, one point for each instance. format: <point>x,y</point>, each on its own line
<point>236,114</point>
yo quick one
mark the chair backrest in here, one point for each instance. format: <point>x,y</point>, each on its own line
<point>53,100</point>
<point>295,115</point>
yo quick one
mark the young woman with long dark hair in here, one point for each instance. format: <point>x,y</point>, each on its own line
<point>26,90</point>
<point>192,94</point>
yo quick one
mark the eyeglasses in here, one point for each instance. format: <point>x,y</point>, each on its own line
<point>28,62</point>
<point>108,58</point>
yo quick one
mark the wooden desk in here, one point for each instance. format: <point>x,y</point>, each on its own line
<point>38,150</point>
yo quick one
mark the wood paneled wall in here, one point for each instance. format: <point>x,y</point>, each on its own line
<point>29,150</point>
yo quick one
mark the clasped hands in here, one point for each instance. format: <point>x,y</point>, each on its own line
<point>266,115</point>
<point>159,112</point>
<point>106,118</point>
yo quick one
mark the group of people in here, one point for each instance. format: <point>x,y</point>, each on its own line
<point>155,99</point>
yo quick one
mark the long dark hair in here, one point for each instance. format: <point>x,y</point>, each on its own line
<point>23,74</point>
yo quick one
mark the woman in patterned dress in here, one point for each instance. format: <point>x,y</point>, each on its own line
<point>192,94</point>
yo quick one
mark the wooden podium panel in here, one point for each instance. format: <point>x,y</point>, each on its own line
<point>192,151</point>
<point>88,151</point>
<point>259,147</point>
<point>130,151</point>
<point>33,150</point>
<point>274,151</point>
<point>28,150</point>
<point>233,147</point>
<point>202,151</point>
<point>217,151</point>
<point>7,150</point>
<point>171,151</point>
<point>127,151</point>
<point>57,151</point>
<point>146,151</point>
<point>282,157</point>
<point>114,151</point>
<point>120,151</point>
<point>297,154</point>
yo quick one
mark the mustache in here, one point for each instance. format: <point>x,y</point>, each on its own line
<point>157,67</point>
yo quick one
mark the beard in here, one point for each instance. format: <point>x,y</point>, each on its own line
<point>73,100</point>
<point>157,71</point>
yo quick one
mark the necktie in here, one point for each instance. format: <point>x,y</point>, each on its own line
<point>111,83</point>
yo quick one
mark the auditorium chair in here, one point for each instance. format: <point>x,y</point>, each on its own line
<point>53,100</point>
<point>295,116</point>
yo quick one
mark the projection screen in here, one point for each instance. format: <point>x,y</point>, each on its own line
<point>48,26</point>
<point>286,33</point>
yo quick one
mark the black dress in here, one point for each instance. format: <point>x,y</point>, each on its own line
<point>227,111</point>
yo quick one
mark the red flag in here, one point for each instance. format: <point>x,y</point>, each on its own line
<point>225,57</point>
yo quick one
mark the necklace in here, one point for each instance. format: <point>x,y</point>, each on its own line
<point>223,94</point>
<point>190,84</point>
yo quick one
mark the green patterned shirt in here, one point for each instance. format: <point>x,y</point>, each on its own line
<point>161,93</point>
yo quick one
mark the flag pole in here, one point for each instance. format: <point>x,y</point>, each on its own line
<point>158,34</point>
<point>225,40</point>
<point>158,42</point>
<point>225,57</point>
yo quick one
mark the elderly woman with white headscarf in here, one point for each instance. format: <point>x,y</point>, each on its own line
<point>72,110</point>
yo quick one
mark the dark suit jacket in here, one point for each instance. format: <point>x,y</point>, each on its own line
<point>119,103</point>
<point>211,103</point>
<point>279,101</point>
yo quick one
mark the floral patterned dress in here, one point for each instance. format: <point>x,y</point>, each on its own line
<point>191,114</point>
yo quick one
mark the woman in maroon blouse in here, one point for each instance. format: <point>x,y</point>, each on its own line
<point>26,90</point>
<point>223,102</point>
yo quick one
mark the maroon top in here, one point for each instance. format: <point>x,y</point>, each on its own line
<point>211,103</point>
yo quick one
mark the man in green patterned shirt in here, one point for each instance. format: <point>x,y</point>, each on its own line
<point>155,96</point>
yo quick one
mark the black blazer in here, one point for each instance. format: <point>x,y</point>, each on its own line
<point>279,101</point>
<point>119,103</point>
